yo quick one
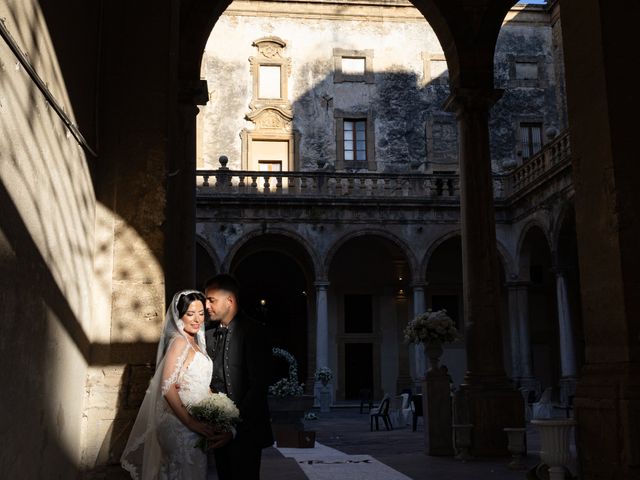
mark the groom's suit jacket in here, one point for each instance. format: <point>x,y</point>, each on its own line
<point>244,358</point>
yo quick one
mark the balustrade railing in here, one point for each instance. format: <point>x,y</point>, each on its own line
<point>225,182</point>
<point>327,184</point>
<point>553,154</point>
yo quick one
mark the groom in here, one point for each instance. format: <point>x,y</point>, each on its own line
<point>241,358</point>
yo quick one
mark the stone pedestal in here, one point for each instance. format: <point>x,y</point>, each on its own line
<point>555,440</point>
<point>438,418</point>
<point>324,399</point>
<point>489,411</point>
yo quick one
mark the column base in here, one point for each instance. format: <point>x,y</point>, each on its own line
<point>490,409</point>
<point>607,412</point>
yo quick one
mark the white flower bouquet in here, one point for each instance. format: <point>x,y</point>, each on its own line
<point>216,409</point>
<point>431,327</point>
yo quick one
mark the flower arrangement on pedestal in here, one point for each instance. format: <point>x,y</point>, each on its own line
<point>288,404</point>
<point>287,386</point>
<point>431,329</point>
<point>323,375</point>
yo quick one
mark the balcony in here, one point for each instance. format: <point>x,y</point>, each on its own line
<point>551,161</point>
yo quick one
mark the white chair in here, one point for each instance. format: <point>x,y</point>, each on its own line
<point>395,410</point>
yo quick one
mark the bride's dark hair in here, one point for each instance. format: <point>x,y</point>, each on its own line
<point>187,299</point>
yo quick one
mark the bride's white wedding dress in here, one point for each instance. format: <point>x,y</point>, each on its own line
<point>160,446</point>
<point>180,460</point>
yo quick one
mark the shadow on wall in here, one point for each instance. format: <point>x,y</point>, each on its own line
<point>48,251</point>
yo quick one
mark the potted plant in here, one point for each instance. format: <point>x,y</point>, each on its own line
<point>432,329</point>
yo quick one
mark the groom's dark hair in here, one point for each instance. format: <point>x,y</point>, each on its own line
<point>223,281</point>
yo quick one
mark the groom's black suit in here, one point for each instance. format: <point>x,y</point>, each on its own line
<point>241,357</point>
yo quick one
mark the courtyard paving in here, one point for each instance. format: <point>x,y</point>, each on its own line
<point>347,449</point>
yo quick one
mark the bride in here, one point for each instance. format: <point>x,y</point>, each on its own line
<point>161,444</point>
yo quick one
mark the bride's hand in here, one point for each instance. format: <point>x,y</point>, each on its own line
<point>220,439</point>
<point>202,428</point>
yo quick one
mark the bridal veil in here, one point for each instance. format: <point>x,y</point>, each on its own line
<point>142,454</point>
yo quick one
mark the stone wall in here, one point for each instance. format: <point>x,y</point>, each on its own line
<point>412,132</point>
<point>47,231</point>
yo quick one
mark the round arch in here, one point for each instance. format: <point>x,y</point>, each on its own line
<point>313,265</point>
<point>374,232</point>
<point>207,261</point>
<point>202,242</point>
<point>506,260</point>
<point>529,227</point>
<point>568,208</point>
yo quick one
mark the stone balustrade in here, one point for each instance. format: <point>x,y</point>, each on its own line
<point>434,186</point>
<point>554,155</point>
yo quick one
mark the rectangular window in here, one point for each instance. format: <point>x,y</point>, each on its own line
<point>269,165</point>
<point>530,139</point>
<point>439,69</point>
<point>355,140</point>
<point>353,66</point>
<point>358,314</point>
<point>269,81</point>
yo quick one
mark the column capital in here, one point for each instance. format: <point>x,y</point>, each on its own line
<point>462,100</point>
<point>514,284</point>
<point>421,285</point>
<point>321,283</point>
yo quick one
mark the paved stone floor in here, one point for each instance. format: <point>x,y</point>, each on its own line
<point>349,450</point>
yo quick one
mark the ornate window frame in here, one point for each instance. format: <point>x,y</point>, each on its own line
<point>272,117</point>
<point>270,54</point>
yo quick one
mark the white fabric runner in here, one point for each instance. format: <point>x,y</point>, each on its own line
<point>325,463</point>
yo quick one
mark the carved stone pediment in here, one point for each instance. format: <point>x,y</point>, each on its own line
<point>270,47</point>
<point>271,118</point>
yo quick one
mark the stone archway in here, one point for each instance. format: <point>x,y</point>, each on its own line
<point>368,309</point>
<point>536,271</point>
<point>276,276</point>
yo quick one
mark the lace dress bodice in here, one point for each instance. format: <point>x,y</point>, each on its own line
<point>195,379</point>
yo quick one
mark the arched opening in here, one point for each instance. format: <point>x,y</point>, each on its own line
<point>569,273</point>
<point>536,267</point>
<point>368,309</point>
<point>275,276</point>
<point>205,265</point>
<point>444,290</point>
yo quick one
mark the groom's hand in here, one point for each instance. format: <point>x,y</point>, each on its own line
<point>220,439</point>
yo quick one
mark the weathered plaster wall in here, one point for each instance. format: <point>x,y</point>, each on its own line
<point>412,132</point>
<point>526,37</point>
<point>47,219</point>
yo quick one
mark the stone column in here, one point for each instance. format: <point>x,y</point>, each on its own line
<point>603,120</point>
<point>518,293</point>
<point>417,351</point>
<point>322,332</point>
<point>567,349</point>
<point>322,325</point>
<point>180,240</point>
<point>491,402</point>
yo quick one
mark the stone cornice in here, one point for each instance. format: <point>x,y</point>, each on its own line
<point>366,10</point>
